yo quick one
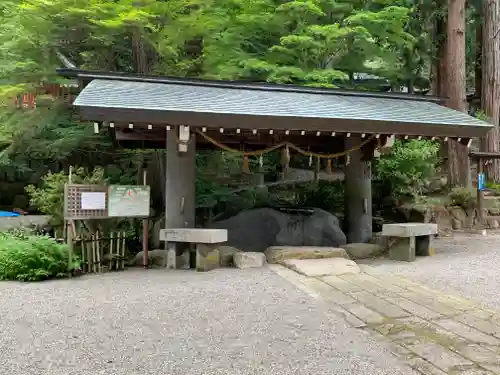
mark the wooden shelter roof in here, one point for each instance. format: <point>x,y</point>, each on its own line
<point>164,101</point>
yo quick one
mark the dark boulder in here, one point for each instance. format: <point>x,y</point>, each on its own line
<point>256,230</point>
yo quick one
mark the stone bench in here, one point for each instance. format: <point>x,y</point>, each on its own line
<point>413,239</point>
<point>178,243</point>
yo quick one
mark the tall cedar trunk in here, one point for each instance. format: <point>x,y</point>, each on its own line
<point>439,66</point>
<point>478,69</point>
<point>438,74</point>
<point>139,53</point>
<point>458,156</point>
<point>156,166</point>
<point>490,90</point>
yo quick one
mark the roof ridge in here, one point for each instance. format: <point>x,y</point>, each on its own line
<point>241,85</point>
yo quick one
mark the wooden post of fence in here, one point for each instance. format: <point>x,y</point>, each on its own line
<point>122,266</point>
<point>82,244</point>
<point>90,257</point>
<point>98,251</point>
<point>480,194</point>
<point>69,229</point>
<point>111,236</point>
<point>145,231</point>
<point>69,239</point>
<point>94,255</point>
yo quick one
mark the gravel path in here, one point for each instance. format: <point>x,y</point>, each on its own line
<point>465,264</point>
<point>172,323</point>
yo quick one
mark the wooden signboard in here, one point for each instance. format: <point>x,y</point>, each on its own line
<point>85,202</point>
<point>129,201</point>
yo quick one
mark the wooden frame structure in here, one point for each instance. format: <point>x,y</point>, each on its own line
<point>480,158</point>
<point>185,114</point>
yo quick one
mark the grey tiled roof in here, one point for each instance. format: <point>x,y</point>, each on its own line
<point>255,101</point>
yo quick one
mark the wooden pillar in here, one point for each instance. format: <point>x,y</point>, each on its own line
<point>358,194</point>
<point>180,182</point>
<point>180,188</point>
<point>480,194</point>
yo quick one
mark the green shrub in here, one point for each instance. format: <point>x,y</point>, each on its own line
<point>405,170</point>
<point>494,187</point>
<point>28,257</point>
<point>463,197</point>
<point>326,195</point>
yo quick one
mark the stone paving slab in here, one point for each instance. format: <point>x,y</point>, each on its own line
<point>325,291</point>
<point>301,281</point>
<point>424,366</point>
<point>340,284</point>
<point>364,313</point>
<point>433,303</point>
<point>364,282</point>
<point>439,356</point>
<point>399,350</point>
<point>450,299</point>
<point>478,354</point>
<point>414,308</point>
<point>469,333</point>
<point>381,306</point>
<point>481,321</point>
<point>322,267</point>
<point>492,368</point>
<point>351,319</point>
<point>388,282</point>
<point>432,332</point>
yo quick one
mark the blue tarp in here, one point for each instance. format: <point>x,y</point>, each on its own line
<point>8,214</point>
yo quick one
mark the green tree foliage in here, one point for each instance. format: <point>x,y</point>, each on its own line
<point>49,134</point>
<point>301,41</point>
<point>320,43</point>
<point>408,167</point>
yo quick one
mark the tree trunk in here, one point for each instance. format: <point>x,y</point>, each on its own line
<point>156,166</point>
<point>438,79</point>
<point>490,92</point>
<point>458,155</point>
<point>478,69</point>
<point>439,68</point>
<point>139,53</point>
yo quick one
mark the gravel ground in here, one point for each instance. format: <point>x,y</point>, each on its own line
<point>160,322</point>
<point>465,264</point>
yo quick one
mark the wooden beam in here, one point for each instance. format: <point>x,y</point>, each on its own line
<point>156,138</point>
<point>281,123</point>
<point>485,155</point>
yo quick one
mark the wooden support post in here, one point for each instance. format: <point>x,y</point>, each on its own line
<point>90,258</point>
<point>181,183</point>
<point>317,169</point>
<point>70,229</point>
<point>122,263</point>
<point>145,230</point>
<point>358,193</point>
<point>480,194</point>
<point>111,237</point>
<point>98,251</point>
<point>180,189</point>
<point>94,255</point>
<point>69,239</point>
<point>82,244</point>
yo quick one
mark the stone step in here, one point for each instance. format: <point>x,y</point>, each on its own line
<point>322,267</point>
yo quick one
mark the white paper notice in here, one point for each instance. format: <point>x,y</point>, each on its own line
<point>93,201</point>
